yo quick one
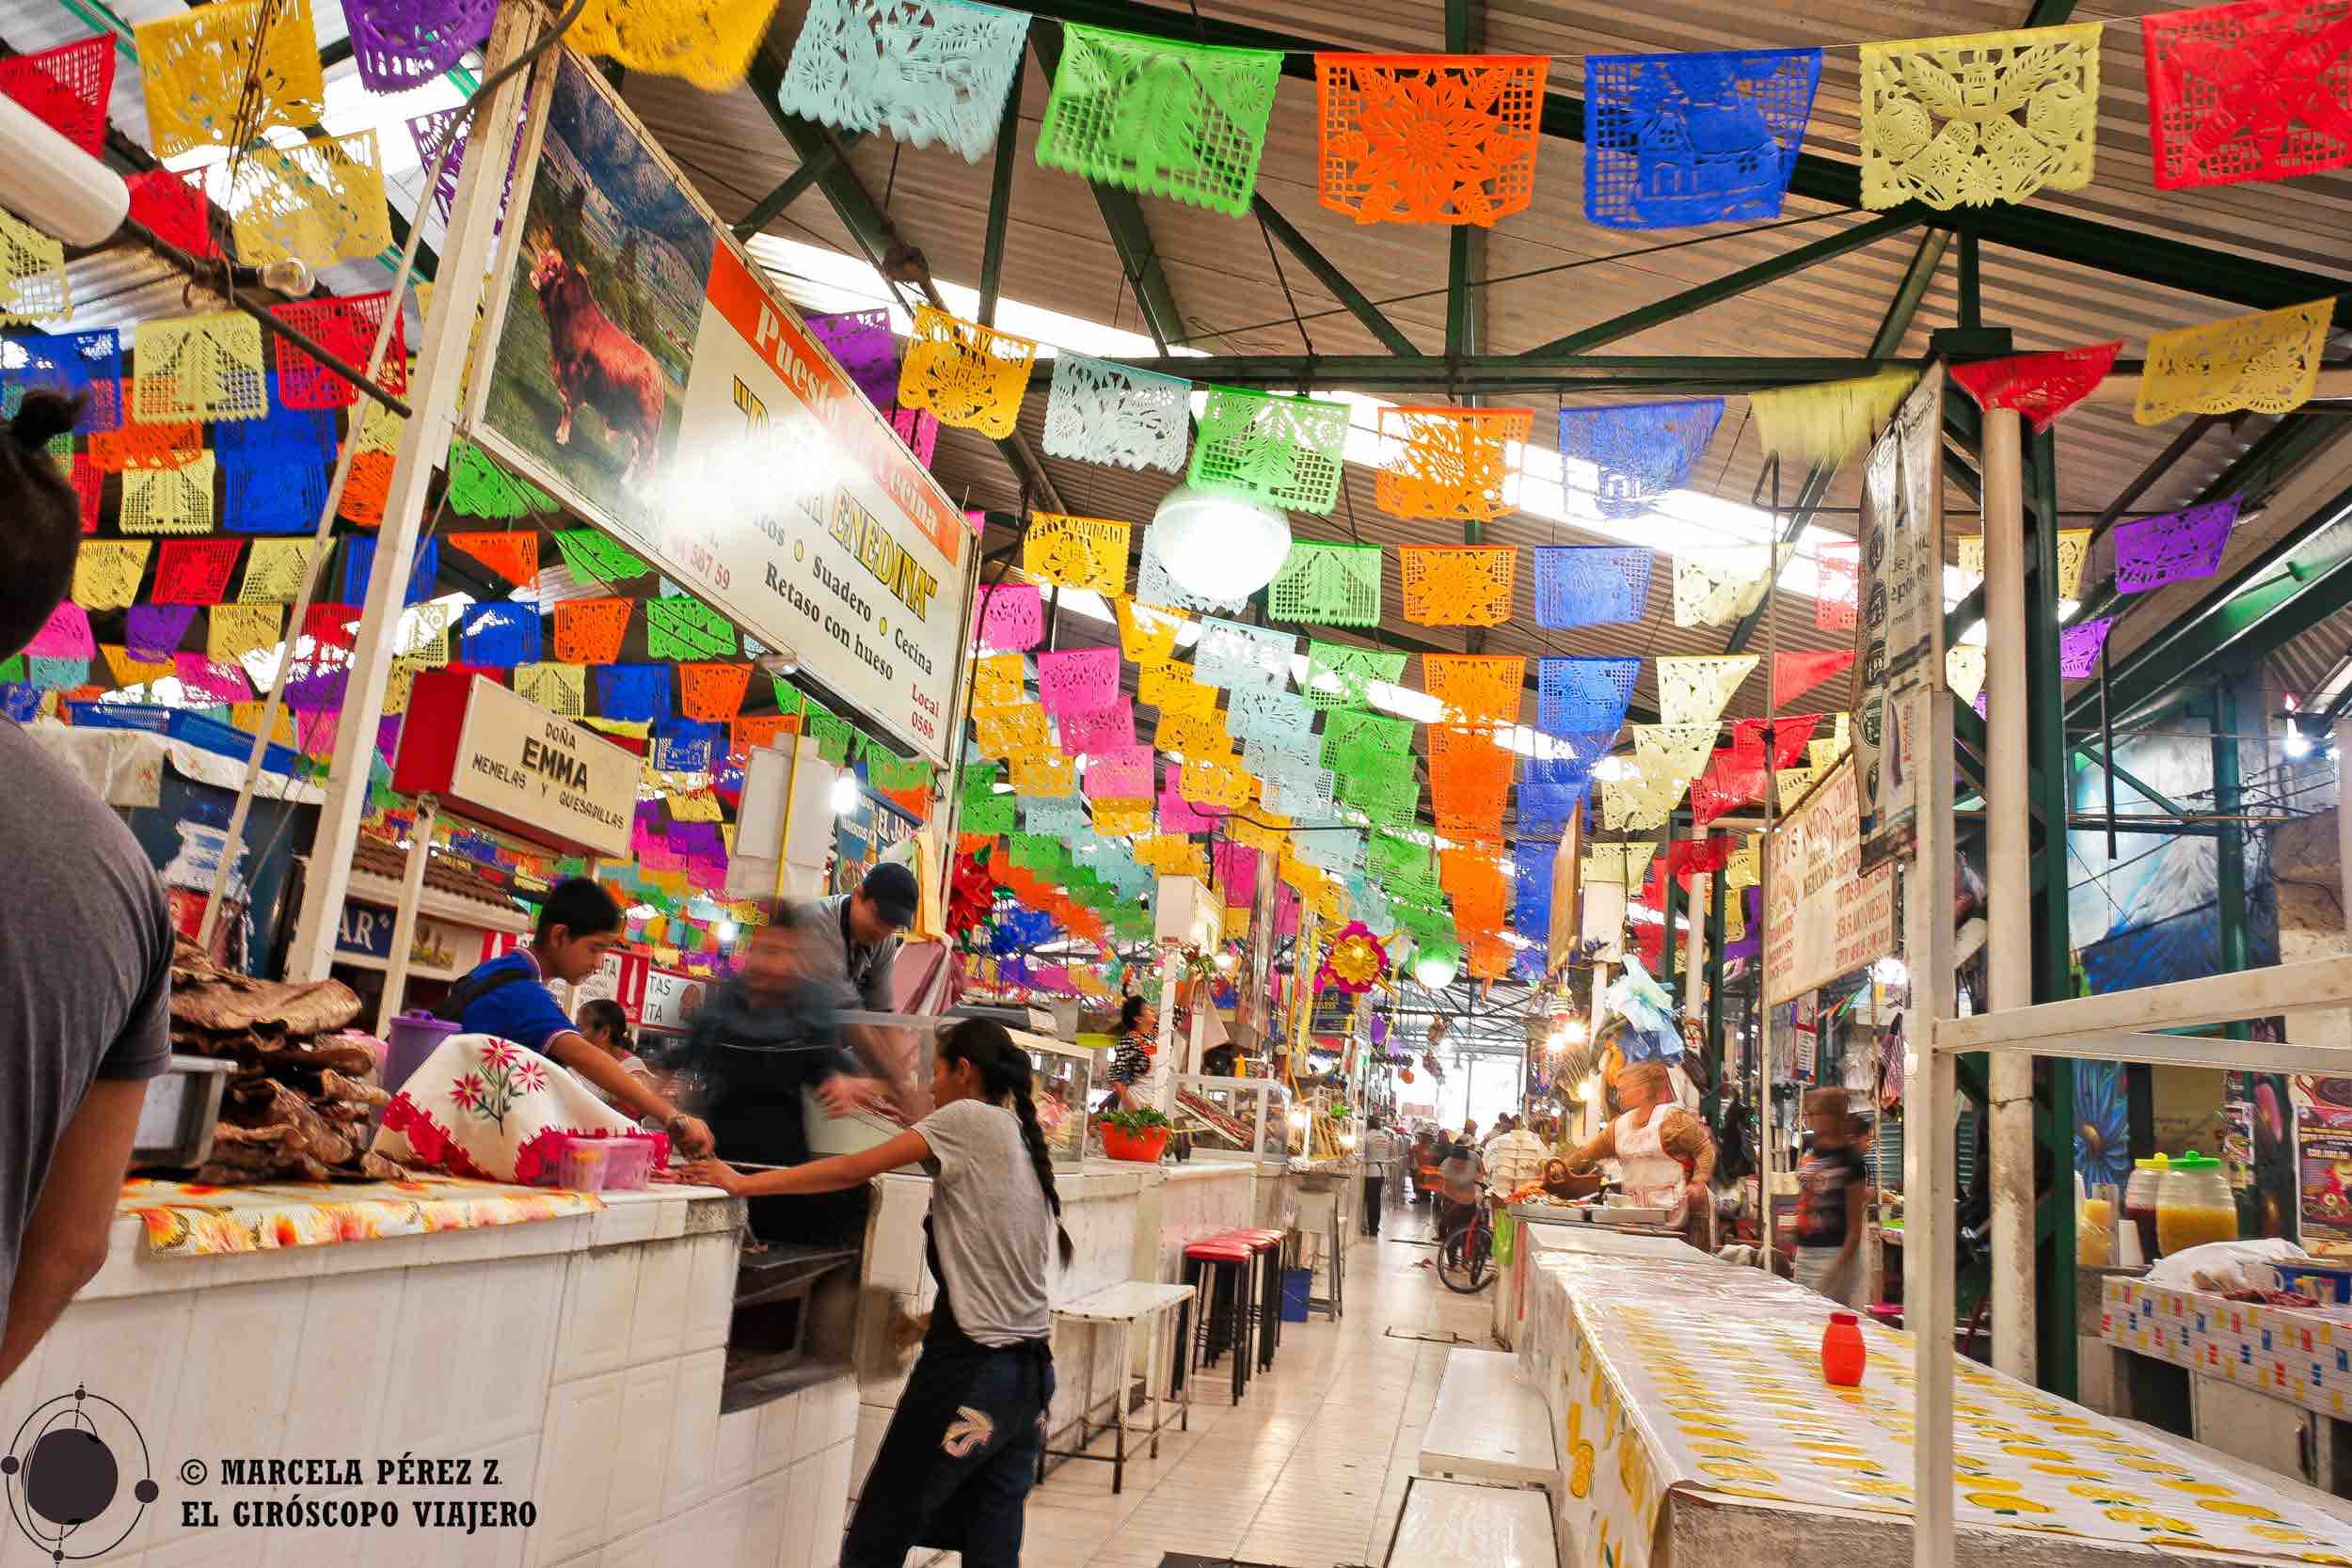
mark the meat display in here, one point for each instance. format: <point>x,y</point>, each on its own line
<point>302,1099</point>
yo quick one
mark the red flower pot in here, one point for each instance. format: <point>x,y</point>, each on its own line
<point>1144,1148</point>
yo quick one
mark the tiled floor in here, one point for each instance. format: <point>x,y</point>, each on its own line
<point>1308,1471</point>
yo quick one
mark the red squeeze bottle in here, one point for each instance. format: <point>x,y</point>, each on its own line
<point>1843,1355</point>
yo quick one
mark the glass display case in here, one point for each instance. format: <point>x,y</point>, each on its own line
<point>1239,1118</point>
<point>1064,1079</point>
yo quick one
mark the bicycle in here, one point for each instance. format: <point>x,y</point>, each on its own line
<point>1466,1258</point>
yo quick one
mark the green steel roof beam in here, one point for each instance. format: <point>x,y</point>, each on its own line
<point>1130,235</point>
<point>2062,236</point>
<point>1001,165</point>
<point>1334,281</point>
<point>1893,327</point>
<point>879,238</point>
<point>1515,373</point>
<point>770,207</point>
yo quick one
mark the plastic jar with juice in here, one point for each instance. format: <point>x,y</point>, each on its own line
<point>2139,1202</point>
<point>2194,1205</point>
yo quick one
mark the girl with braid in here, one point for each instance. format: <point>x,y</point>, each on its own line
<point>955,1469</point>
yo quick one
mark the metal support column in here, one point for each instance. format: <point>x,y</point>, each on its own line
<point>2054,951</point>
<point>1670,905</point>
<point>2008,874</point>
<point>1714,995</point>
<point>2227,801</point>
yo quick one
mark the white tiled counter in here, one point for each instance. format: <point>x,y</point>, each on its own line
<point>583,1355</point>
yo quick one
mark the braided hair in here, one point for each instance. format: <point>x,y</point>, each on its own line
<point>1004,1072</point>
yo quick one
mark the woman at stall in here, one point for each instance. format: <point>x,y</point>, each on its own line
<point>603,1024</point>
<point>956,1466</point>
<point>1131,1063</point>
<point>1664,1154</point>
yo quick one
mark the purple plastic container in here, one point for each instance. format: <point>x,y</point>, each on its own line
<point>409,1040</point>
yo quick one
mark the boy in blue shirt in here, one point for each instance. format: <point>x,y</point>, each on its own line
<point>508,997</point>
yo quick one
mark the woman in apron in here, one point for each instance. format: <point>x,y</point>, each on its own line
<point>1665,1158</point>
<point>955,1469</point>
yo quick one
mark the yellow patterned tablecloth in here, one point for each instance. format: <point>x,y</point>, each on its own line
<point>1703,1377</point>
<point>188,1219</point>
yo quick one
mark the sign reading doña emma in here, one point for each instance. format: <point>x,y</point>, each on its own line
<point>644,371</point>
<point>1823,916</point>
<point>496,757</point>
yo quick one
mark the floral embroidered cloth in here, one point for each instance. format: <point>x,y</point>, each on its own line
<point>487,1108</point>
<point>189,1219</point>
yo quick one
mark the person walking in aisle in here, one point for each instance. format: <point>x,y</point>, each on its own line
<point>1830,1196</point>
<point>1131,1062</point>
<point>955,1467</point>
<point>1378,1153</point>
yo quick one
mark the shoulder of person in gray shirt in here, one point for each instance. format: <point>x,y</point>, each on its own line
<point>990,1224</point>
<point>865,971</point>
<point>85,968</point>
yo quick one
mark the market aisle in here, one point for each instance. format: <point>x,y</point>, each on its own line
<point>1309,1470</point>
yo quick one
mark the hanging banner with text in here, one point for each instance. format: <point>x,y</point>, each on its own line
<point>1823,916</point>
<point>642,369</point>
<point>1900,632</point>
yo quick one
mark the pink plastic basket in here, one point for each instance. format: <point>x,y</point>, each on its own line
<point>582,1164</point>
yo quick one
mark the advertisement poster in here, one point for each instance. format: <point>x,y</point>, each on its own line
<point>2323,1112</point>
<point>1899,630</point>
<point>640,369</point>
<point>1824,916</point>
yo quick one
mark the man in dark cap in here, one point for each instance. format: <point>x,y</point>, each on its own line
<point>855,938</point>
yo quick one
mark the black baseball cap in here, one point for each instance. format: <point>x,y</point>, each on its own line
<point>890,888</point>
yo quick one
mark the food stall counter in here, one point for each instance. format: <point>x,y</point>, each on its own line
<point>1698,1427</point>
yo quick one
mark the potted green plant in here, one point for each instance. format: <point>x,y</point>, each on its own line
<point>1139,1135</point>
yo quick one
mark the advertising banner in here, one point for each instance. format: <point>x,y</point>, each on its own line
<point>640,367</point>
<point>1899,631</point>
<point>504,760</point>
<point>1824,915</point>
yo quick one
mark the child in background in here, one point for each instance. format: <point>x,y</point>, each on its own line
<point>604,1025</point>
<point>1830,1182</point>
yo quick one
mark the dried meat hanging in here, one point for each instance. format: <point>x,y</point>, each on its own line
<point>2041,387</point>
<point>1100,412</point>
<point>1429,139</point>
<point>2268,362</point>
<point>1641,452</point>
<point>934,70</point>
<point>2256,91</point>
<point>1590,585</point>
<point>1332,585</point>
<point>1285,450</point>
<point>1675,139</point>
<point>709,42</point>
<point>1971,120</point>
<point>1457,585</point>
<point>969,375</point>
<point>1451,465</point>
<point>2176,546</point>
<point>1185,121</point>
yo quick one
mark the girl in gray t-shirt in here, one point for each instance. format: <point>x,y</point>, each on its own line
<point>955,1469</point>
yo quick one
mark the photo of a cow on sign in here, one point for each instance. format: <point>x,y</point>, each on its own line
<point>593,363</point>
<point>594,345</point>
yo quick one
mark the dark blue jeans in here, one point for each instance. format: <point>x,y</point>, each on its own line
<point>955,1469</point>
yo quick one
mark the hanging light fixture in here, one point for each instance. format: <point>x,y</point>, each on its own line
<point>1219,547</point>
<point>1435,969</point>
<point>844,793</point>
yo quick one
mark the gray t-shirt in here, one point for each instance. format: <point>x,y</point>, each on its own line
<point>990,1224</point>
<point>84,969</point>
<point>865,970</point>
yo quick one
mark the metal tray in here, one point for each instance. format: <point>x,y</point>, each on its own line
<point>182,1108</point>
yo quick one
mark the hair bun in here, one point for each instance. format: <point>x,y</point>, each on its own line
<point>44,415</point>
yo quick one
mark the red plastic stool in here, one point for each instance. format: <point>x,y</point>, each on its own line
<point>1268,1246</point>
<point>1218,1270</point>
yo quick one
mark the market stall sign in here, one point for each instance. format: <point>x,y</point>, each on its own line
<point>1824,915</point>
<point>437,949</point>
<point>671,999</point>
<point>642,368</point>
<point>497,757</point>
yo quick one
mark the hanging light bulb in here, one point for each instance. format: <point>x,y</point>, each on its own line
<point>2298,744</point>
<point>844,793</point>
<point>1219,547</point>
<point>1435,967</point>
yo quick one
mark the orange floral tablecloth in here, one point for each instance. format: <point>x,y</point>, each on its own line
<point>188,1219</point>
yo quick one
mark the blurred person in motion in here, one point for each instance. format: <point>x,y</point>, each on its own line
<point>1832,1183</point>
<point>955,1467</point>
<point>761,1040</point>
<point>853,939</point>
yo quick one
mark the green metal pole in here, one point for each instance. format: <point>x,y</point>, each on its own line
<point>2053,945</point>
<point>2229,878</point>
<point>1673,907</point>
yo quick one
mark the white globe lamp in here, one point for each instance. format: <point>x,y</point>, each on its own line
<point>1219,547</point>
<point>1435,967</point>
